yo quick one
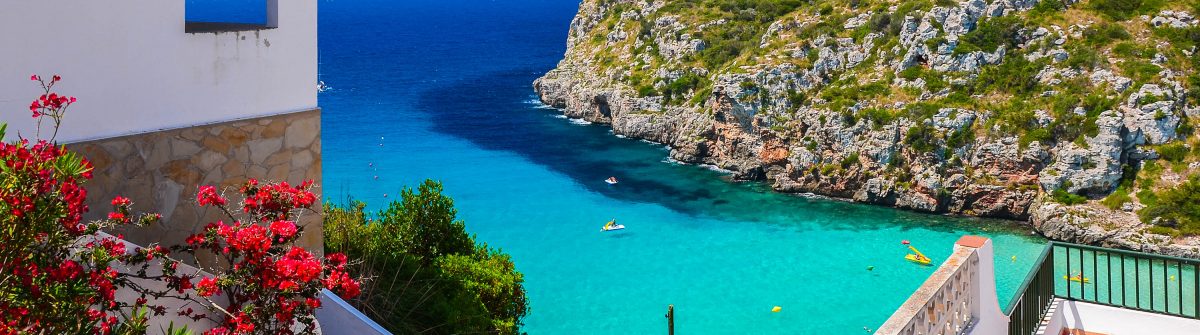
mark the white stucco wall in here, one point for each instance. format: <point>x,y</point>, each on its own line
<point>990,320</point>
<point>134,69</point>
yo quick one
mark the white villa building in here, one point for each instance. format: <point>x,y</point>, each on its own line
<point>165,106</point>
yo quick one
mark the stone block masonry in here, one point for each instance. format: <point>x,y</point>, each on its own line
<point>162,170</point>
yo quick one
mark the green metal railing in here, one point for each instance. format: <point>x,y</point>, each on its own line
<point>1033,299</point>
<point>1119,278</point>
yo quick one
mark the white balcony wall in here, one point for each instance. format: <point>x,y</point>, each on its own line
<point>135,69</point>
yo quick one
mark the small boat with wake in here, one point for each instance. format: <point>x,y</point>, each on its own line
<point>611,180</point>
<point>612,225</point>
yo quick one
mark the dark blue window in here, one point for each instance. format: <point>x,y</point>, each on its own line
<point>225,15</point>
<point>227,11</point>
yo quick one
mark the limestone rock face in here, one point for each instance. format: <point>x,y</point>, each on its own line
<point>1094,168</point>
<point>1150,115</point>
<point>765,117</point>
<point>1096,225</point>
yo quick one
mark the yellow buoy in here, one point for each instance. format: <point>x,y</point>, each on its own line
<point>1014,258</point>
<point>776,309</point>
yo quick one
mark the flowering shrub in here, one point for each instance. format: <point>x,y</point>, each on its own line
<point>269,284</point>
<point>58,275</point>
<point>51,280</point>
<point>50,104</point>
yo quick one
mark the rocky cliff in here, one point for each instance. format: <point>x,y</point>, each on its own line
<point>1054,112</point>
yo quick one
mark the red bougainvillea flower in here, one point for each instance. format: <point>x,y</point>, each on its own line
<point>207,287</point>
<point>336,260</point>
<point>340,282</point>
<point>117,216</point>
<point>121,201</point>
<point>208,196</point>
<point>264,269</point>
<point>250,238</point>
<point>284,229</point>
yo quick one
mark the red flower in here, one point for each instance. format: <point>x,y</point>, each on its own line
<point>195,240</point>
<point>207,287</point>
<point>115,216</point>
<point>252,239</point>
<point>336,259</point>
<point>208,196</point>
<point>115,248</point>
<point>284,229</point>
<point>340,282</point>
<point>287,285</point>
<point>121,201</point>
<point>68,270</point>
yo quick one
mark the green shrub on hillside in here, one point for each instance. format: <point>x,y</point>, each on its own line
<point>1117,199</point>
<point>1067,198</point>
<point>1014,75</point>
<point>678,89</point>
<point>850,160</point>
<point>1046,8</point>
<point>922,138</point>
<point>1121,10</point>
<point>1178,207</point>
<point>746,22</point>
<point>990,34</point>
<point>427,275</point>
<point>1103,33</point>
<point>1173,152</point>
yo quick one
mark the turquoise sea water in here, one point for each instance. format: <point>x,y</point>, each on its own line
<point>441,89</point>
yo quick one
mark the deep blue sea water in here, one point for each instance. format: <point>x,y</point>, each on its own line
<point>441,90</point>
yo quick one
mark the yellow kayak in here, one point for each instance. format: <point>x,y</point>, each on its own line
<point>1078,280</point>
<point>918,259</point>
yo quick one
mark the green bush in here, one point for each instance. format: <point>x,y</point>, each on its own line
<point>850,160</point>
<point>990,34</point>
<point>1124,9</point>
<point>1194,89</point>
<point>1182,38</point>
<point>960,137</point>
<point>1139,71</point>
<point>1174,152</point>
<point>1040,135</point>
<point>1014,75</point>
<point>1067,198</point>
<point>1177,207</point>
<point>922,138</point>
<point>1186,129</point>
<point>1047,7</point>
<point>426,224</point>
<point>878,116</point>
<point>678,89</point>
<point>1082,56</point>
<point>1104,33</point>
<point>646,90</point>
<point>1116,199</point>
<point>426,273</point>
